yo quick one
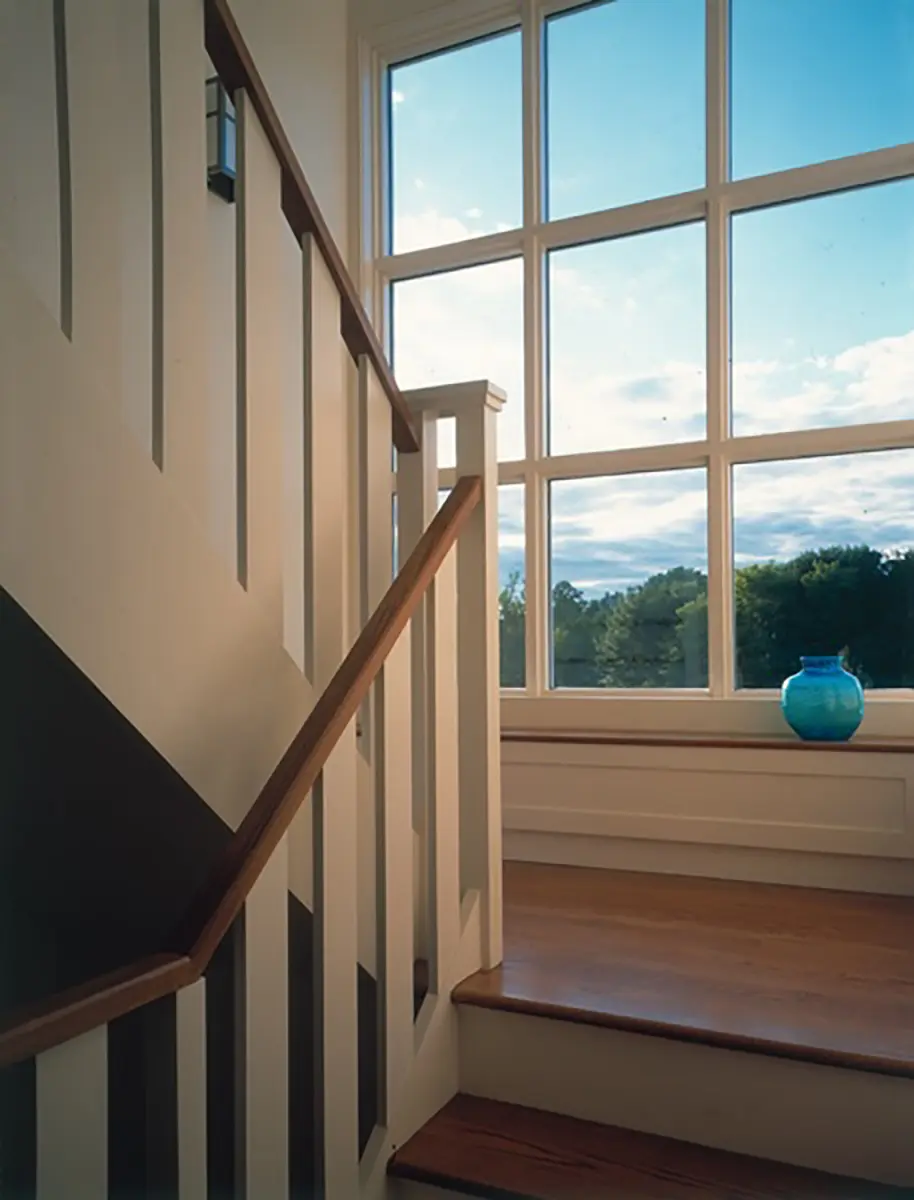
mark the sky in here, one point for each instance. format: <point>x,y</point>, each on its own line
<point>822,289</point>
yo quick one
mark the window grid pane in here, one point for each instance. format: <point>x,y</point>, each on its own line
<point>817,311</point>
<point>452,115</point>
<point>629,581</point>
<point>626,338</point>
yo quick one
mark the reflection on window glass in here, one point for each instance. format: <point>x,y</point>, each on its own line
<point>453,117</point>
<point>823,311</point>
<point>818,79</point>
<point>824,561</point>
<point>626,341</point>
<point>463,325</point>
<point>511,585</point>
<point>625,103</point>
<point>629,581</point>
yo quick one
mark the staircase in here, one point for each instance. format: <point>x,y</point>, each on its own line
<point>341,1004</point>
<point>258,1035</point>
<point>656,1036</point>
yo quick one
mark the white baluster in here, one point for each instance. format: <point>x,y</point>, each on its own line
<point>335,955</point>
<point>435,1075</point>
<point>326,412</point>
<point>446,785</point>
<point>259,364</point>
<point>374,534</point>
<point>72,1119</point>
<point>190,1048</point>
<point>395,902</point>
<point>266,1015</point>
<point>323,500</point>
<point>335,883</point>
<point>417,503</point>
<point>375,513</point>
<point>182,406</point>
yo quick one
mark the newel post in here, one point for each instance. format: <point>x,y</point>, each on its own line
<point>476,409</point>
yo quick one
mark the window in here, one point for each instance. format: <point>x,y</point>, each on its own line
<point>512,601</point>
<point>680,235</point>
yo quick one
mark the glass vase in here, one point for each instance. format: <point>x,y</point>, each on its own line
<point>822,702</point>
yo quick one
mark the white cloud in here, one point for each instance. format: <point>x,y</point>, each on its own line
<point>397,97</point>
<point>630,372</point>
<point>464,325</point>
<point>417,231</point>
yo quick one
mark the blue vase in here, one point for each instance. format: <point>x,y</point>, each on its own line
<point>823,702</point>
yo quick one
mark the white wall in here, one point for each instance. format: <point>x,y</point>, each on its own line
<point>300,48</point>
<point>129,570</point>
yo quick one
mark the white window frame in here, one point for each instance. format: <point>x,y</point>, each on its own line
<point>721,709</point>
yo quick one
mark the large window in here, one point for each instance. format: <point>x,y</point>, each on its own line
<point>680,234</point>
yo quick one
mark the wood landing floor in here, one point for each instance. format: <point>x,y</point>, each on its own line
<point>820,976</point>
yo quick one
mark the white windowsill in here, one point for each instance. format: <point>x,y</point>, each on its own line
<point>887,714</point>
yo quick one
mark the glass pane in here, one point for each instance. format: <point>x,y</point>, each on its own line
<point>824,558</point>
<point>626,341</point>
<point>511,585</point>
<point>456,144</point>
<point>463,325</point>
<point>629,567</point>
<point>818,79</point>
<point>823,311</point>
<point>625,103</point>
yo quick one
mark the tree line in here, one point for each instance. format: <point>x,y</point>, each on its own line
<point>849,600</point>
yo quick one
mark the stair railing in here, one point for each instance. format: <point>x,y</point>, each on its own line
<point>423,673</point>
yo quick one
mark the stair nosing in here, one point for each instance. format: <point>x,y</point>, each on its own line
<point>718,1039</point>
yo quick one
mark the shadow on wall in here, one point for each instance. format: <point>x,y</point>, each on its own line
<point>102,847</point>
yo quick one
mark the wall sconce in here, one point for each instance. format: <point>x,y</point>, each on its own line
<point>220,140</point>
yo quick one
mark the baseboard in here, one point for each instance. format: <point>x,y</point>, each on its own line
<point>827,1118</point>
<point>880,876</point>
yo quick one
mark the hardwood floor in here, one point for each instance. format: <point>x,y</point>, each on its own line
<point>822,976</point>
<point>488,1149</point>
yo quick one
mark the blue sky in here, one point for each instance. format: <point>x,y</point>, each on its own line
<point>823,290</point>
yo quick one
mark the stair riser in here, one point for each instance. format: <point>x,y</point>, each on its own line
<point>828,1118</point>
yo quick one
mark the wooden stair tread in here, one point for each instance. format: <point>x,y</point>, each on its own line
<point>825,977</point>
<point>489,1149</point>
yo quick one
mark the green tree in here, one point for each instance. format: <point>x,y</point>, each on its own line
<point>576,626</point>
<point>511,626</point>
<point>656,634</point>
<point>849,600</point>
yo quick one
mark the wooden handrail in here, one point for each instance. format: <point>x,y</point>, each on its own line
<point>70,1013</point>
<point>235,67</point>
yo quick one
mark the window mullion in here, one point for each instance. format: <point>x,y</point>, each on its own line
<point>535,515</point>
<point>721,674</point>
